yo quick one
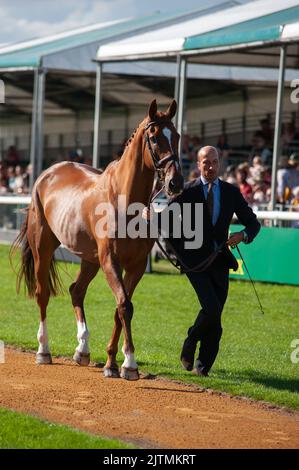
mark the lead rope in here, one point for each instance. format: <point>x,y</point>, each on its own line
<point>204,264</point>
<point>258,299</point>
<point>198,268</point>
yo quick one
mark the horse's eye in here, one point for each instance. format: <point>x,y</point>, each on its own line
<point>152,129</point>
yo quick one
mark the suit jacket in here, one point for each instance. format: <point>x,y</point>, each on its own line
<point>231,201</point>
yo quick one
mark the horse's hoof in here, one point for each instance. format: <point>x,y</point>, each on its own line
<point>43,358</point>
<point>83,359</point>
<point>111,372</point>
<point>129,374</point>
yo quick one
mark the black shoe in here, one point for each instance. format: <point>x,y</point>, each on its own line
<point>187,354</point>
<point>199,369</point>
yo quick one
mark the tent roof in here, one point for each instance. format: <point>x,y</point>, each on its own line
<point>77,48</point>
<point>256,24</point>
<point>69,94</point>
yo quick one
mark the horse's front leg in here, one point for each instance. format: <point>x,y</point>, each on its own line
<point>122,318</point>
<point>131,280</point>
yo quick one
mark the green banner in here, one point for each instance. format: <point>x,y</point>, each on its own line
<point>272,257</point>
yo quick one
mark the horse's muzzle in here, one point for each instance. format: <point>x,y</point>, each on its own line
<point>175,185</point>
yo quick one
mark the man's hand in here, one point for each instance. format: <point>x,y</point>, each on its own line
<point>235,239</point>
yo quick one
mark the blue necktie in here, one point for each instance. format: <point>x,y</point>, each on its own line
<point>210,201</point>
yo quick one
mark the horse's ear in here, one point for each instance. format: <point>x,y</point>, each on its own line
<point>152,111</point>
<point>172,109</point>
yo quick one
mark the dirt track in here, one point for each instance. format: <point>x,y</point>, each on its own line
<point>150,413</point>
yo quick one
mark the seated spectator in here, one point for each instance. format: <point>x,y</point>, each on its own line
<point>76,155</point>
<point>287,177</point>
<point>259,195</point>
<point>222,143</point>
<point>27,175</point>
<point>295,198</point>
<point>11,178</point>
<point>244,186</point>
<point>295,205</point>
<point>261,149</point>
<point>245,167</point>
<point>266,132</point>
<point>19,182</point>
<point>12,157</point>
<point>3,171</point>
<point>255,169</point>
<point>3,186</point>
<point>268,194</point>
<point>230,175</point>
<point>288,132</point>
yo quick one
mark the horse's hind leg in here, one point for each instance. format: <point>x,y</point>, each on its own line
<point>78,291</point>
<point>43,243</point>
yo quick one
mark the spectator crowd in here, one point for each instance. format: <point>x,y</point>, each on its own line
<point>252,176</point>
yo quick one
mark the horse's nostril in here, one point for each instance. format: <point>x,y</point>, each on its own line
<point>171,184</point>
<point>176,185</point>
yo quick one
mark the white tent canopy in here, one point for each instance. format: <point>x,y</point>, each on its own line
<point>170,40</point>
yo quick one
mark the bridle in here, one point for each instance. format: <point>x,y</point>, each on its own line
<point>159,165</point>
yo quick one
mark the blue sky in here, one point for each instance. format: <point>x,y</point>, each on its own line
<point>27,19</point>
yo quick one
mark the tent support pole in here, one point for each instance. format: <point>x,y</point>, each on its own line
<point>177,86</point>
<point>37,125</point>
<point>97,117</point>
<point>181,101</point>
<point>278,120</point>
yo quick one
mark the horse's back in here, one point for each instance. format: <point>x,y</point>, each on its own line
<point>65,174</point>
<point>63,191</point>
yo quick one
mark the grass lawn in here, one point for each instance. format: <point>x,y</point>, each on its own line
<point>19,431</point>
<point>254,358</point>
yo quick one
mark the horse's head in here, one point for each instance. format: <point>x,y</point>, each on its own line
<point>162,147</point>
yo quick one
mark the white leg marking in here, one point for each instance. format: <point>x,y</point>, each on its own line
<point>82,336</point>
<point>42,337</point>
<point>129,361</point>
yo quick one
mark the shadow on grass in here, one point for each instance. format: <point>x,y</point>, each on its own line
<point>256,377</point>
<point>178,390</point>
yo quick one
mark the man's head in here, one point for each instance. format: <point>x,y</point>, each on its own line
<point>208,163</point>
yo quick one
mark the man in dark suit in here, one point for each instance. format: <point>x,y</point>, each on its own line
<point>220,201</point>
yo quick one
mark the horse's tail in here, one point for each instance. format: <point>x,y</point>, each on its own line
<point>26,269</point>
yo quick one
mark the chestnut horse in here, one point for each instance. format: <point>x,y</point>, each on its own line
<point>63,210</point>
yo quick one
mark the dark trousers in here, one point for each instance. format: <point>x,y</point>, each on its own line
<point>211,287</point>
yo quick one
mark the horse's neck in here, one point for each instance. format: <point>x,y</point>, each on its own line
<point>135,179</point>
